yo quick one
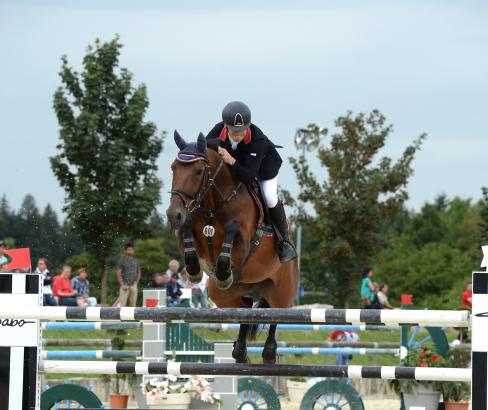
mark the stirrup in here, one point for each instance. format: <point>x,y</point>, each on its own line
<point>286,251</point>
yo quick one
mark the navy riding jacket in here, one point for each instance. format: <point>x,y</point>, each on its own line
<point>256,156</point>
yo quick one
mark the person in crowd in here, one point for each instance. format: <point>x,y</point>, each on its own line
<point>48,298</point>
<point>382,296</point>
<point>174,291</point>
<point>466,300</point>
<point>173,267</point>
<point>367,288</point>
<point>82,287</point>
<point>128,275</point>
<point>184,280</point>
<point>5,259</point>
<point>63,291</point>
<point>157,282</point>
<point>344,336</point>
<point>199,295</point>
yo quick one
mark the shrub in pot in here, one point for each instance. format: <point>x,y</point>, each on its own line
<point>457,394</point>
<point>117,399</point>
<point>420,393</point>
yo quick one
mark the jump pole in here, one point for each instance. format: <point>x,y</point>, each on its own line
<point>230,369</point>
<point>449,318</point>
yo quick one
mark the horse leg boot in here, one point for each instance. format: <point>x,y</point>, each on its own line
<point>191,258</point>
<point>286,250</point>
<point>223,274</point>
<point>269,349</point>
<point>239,353</point>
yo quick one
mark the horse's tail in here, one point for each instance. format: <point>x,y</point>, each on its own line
<point>254,329</point>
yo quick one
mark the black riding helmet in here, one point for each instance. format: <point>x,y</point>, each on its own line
<point>236,116</point>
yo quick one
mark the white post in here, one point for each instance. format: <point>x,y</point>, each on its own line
<point>20,343</point>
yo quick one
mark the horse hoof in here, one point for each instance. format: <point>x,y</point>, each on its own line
<point>226,283</point>
<point>268,360</point>
<point>196,278</point>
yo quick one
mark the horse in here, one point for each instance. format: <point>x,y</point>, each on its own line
<point>218,226</point>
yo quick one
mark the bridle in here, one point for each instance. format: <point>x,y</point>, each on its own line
<point>194,202</point>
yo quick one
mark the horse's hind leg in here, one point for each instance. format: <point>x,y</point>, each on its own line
<point>223,274</point>
<point>240,346</point>
<point>269,349</point>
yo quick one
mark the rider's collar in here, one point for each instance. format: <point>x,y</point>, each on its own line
<point>187,158</point>
<point>225,133</point>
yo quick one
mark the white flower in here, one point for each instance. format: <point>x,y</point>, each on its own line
<point>172,378</point>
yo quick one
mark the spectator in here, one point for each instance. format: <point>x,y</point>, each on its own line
<point>158,281</point>
<point>199,296</point>
<point>5,259</point>
<point>343,336</point>
<point>62,289</point>
<point>173,267</point>
<point>174,291</point>
<point>128,275</point>
<point>47,292</point>
<point>382,296</point>
<point>367,288</point>
<point>466,300</point>
<point>183,279</point>
<point>82,287</point>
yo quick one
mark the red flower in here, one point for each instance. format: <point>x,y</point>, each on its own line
<point>423,364</point>
<point>435,357</point>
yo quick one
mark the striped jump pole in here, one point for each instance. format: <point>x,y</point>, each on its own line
<point>328,351</point>
<point>110,354</point>
<point>89,354</point>
<point>451,318</point>
<point>90,325</point>
<point>355,328</point>
<point>241,369</point>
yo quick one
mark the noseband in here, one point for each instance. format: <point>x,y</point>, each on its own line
<point>193,202</point>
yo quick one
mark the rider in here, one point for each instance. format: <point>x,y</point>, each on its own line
<point>252,156</point>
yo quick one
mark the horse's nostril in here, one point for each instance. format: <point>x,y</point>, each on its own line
<point>179,216</point>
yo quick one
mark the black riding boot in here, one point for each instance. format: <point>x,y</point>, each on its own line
<point>286,250</point>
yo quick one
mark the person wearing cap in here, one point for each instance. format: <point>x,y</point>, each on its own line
<point>252,157</point>
<point>5,259</point>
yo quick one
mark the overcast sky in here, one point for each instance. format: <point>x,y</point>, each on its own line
<point>423,64</point>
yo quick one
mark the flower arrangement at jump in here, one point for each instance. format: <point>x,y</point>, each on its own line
<point>176,394</point>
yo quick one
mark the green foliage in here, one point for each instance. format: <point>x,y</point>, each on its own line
<point>106,159</point>
<point>483,224</point>
<point>151,257</point>
<point>355,203</point>
<point>457,391</point>
<point>40,231</point>
<point>434,256</point>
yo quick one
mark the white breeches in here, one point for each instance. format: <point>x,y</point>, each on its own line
<point>269,188</point>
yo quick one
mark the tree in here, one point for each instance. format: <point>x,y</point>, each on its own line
<point>106,159</point>
<point>483,224</point>
<point>354,204</point>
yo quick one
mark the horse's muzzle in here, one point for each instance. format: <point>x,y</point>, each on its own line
<point>176,217</point>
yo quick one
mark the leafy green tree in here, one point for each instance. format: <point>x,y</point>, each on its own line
<point>107,154</point>
<point>483,224</point>
<point>354,204</point>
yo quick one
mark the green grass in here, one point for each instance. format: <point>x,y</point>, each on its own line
<point>211,334</point>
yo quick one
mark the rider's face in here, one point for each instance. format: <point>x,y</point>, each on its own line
<point>237,136</point>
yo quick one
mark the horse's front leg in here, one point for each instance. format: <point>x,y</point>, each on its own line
<point>240,345</point>
<point>269,349</point>
<point>223,273</point>
<point>191,258</point>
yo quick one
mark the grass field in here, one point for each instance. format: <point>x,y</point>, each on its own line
<point>212,334</point>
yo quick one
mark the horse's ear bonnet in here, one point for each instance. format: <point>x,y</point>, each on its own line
<point>191,152</point>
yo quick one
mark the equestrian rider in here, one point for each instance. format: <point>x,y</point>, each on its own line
<point>252,156</point>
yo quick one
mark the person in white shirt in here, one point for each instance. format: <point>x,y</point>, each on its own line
<point>199,293</point>
<point>47,292</point>
<point>382,296</point>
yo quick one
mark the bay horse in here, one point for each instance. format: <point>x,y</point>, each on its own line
<point>217,222</point>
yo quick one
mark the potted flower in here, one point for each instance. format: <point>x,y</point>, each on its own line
<point>170,393</point>
<point>456,394</point>
<point>421,394</point>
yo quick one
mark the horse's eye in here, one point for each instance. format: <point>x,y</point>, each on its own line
<point>199,172</point>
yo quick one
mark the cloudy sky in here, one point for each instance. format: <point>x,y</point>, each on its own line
<point>424,64</point>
